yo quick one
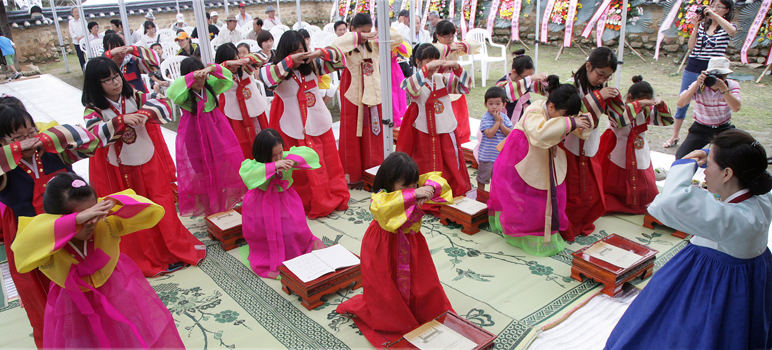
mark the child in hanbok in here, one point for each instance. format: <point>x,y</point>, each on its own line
<point>398,97</point>
<point>208,156</point>
<point>302,119</point>
<point>275,226</point>
<point>451,50</point>
<point>32,154</point>
<point>361,133</point>
<point>99,297</point>
<point>429,135</point>
<point>401,289</point>
<point>629,183</point>
<point>519,83</point>
<point>130,156</point>
<point>528,193</point>
<point>133,60</point>
<point>242,103</point>
<point>715,293</point>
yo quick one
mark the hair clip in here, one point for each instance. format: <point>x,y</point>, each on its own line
<point>78,183</point>
<point>520,55</point>
<point>4,95</point>
<point>755,143</point>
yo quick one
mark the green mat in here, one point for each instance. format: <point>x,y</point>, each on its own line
<point>221,303</point>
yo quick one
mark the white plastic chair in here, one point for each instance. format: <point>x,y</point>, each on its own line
<point>329,27</point>
<point>297,26</point>
<point>98,46</point>
<point>253,47</point>
<point>245,29</point>
<point>313,30</point>
<point>318,39</point>
<point>277,31</point>
<point>261,90</point>
<point>327,40</point>
<point>188,30</point>
<point>167,34</point>
<point>170,48</point>
<point>170,67</point>
<point>483,37</point>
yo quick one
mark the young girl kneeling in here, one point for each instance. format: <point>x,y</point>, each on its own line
<point>96,291</point>
<point>629,183</point>
<point>274,222</point>
<point>528,195</point>
<point>429,134</point>
<point>401,286</point>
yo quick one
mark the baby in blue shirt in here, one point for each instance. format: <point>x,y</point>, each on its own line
<point>495,126</point>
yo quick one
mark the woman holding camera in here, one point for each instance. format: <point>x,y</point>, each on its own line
<point>710,38</point>
<point>715,293</point>
<point>715,98</point>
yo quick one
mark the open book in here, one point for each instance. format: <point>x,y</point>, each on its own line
<point>317,263</point>
<point>226,220</point>
<point>467,205</point>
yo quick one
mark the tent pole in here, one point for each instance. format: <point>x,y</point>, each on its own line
<point>204,45</point>
<point>59,34</point>
<point>384,56</point>
<point>622,40</point>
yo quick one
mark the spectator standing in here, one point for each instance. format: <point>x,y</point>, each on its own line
<point>7,47</point>
<point>77,34</point>
<point>272,20</point>
<point>243,17</point>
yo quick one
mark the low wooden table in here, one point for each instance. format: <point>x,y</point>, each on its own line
<point>613,277</point>
<point>468,150</point>
<point>229,237</point>
<point>483,338</point>
<point>312,291</point>
<point>649,221</point>
<point>369,177</point>
<point>470,221</point>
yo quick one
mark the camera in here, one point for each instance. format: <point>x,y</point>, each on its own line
<point>710,80</point>
<point>700,11</point>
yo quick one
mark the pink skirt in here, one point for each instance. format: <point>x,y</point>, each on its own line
<point>519,207</point>
<point>129,292</point>
<point>208,160</point>
<point>275,228</point>
<point>399,99</point>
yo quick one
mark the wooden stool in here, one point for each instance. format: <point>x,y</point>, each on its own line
<point>466,212</point>
<point>613,277</point>
<point>225,228</point>
<point>369,177</point>
<point>649,221</point>
<point>468,149</point>
<point>312,291</point>
<point>483,338</point>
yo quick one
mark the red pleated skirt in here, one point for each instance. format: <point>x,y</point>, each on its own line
<point>357,154</point>
<point>461,111</point>
<point>246,133</point>
<point>584,201</point>
<point>169,242</point>
<point>382,314</point>
<point>618,185</point>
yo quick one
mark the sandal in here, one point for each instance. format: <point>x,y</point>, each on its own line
<point>668,144</point>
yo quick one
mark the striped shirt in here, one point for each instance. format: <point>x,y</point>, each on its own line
<point>708,46</point>
<point>488,151</point>
<point>710,107</point>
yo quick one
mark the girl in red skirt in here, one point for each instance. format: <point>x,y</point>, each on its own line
<point>361,133</point>
<point>401,289</point>
<point>451,50</point>
<point>629,184</point>
<point>130,156</point>
<point>429,132</point>
<point>299,114</point>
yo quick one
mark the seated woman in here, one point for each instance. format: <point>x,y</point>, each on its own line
<point>717,292</point>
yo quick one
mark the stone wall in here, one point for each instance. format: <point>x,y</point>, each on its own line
<point>40,44</point>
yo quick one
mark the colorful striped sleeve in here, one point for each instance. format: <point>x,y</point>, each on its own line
<point>348,42</point>
<point>444,49</point>
<point>458,81</point>
<point>146,58</point>
<point>594,104</point>
<point>155,107</point>
<point>10,158</point>
<point>516,89</point>
<point>273,74</point>
<point>71,142</point>
<point>660,115</point>
<point>220,80</point>
<point>622,114</point>
<point>414,83</point>
<point>258,60</point>
<point>332,59</point>
<point>107,132</point>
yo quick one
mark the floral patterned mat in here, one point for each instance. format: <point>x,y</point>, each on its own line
<point>222,304</point>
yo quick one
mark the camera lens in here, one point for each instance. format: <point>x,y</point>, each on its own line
<point>710,80</point>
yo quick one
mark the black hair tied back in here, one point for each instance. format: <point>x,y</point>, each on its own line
<point>65,190</point>
<point>738,150</point>
<point>637,79</point>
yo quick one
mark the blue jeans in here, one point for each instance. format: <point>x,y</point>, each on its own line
<point>686,80</point>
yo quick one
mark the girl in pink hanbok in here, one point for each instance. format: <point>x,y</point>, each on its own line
<point>274,221</point>
<point>99,297</point>
<point>528,191</point>
<point>208,153</point>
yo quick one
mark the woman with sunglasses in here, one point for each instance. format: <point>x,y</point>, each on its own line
<point>710,38</point>
<point>131,156</point>
<point>450,50</point>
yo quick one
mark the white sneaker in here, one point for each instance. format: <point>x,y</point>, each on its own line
<point>660,174</point>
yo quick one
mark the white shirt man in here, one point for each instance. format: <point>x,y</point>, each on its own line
<point>272,20</point>
<point>76,26</point>
<point>243,17</point>
<point>229,34</point>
